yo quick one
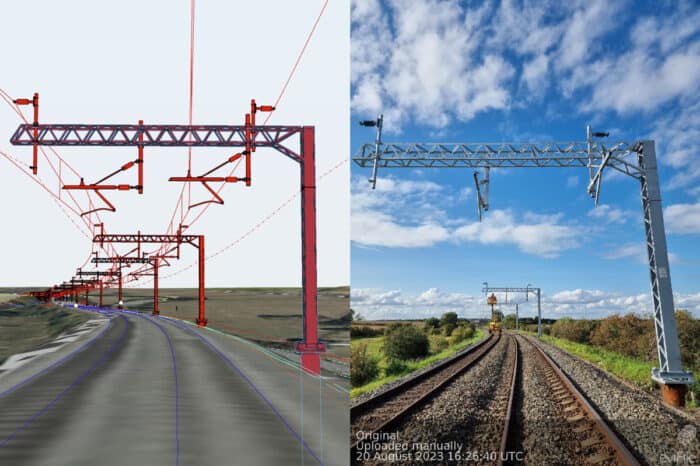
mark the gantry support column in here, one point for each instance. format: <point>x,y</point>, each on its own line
<point>201,319</point>
<point>670,373</point>
<point>310,348</point>
<point>539,314</point>
<point>155,287</point>
<point>119,293</point>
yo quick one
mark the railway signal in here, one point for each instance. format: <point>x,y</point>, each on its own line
<point>494,325</point>
<point>636,159</point>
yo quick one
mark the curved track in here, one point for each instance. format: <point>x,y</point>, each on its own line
<point>560,426</point>
<point>502,402</point>
<point>381,412</point>
<point>156,391</point>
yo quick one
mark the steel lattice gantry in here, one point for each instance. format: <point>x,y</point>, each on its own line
<point>247,136</point>
<point>97,274</point>
<point>119,261</point>
<point>195,240</point>
<point>527,290</point>
<point>636,159</point>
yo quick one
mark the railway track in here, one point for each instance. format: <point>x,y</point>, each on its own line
<point>379,413</point>
<point>491,419</point>
<point>590,440</point>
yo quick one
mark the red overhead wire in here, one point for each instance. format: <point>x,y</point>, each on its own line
<point>296,63</point>
<point>277,101</point>
<point>180,202</point>
<point>8,99</point>
<point>38,181</point>
<point>189,149</point>
<point>257,226</point>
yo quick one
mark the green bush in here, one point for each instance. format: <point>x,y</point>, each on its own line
<point>508,321</point>
<point>363,367</point>
<point>395,367</point>
<point>578,331</point>
<point>461,333</point>
<point>449,318</point>
<point>364,331</point>
<point>432,322</point>
<point>448,328</point>
<point>689,336</point>
<point>629,335</point>
<point>405,341</point>
<point>438,343</point>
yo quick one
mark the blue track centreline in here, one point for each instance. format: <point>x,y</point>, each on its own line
<point>75,383</point>
<point>64,359</point>
<point>251,384</point>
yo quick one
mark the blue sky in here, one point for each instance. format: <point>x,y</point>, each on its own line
<point>456,71</point>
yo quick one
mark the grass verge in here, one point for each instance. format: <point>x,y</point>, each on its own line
<point>374,348</point>
<point>27,327</point>
<point>629,369</point>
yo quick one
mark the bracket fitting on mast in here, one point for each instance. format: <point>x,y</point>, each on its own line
<point>482,199</point>
<point>377,144</point>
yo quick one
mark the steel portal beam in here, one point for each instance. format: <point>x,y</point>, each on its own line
<point>141,238</point>
<point>156,136</point>
<point>498,155</point>
<point>121,260</point>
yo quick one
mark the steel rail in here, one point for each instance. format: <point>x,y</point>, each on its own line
<point>509,412</point>
<point>468,358</point>
<point>605,435</point>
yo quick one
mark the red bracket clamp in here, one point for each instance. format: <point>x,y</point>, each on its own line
<point>34,101</point>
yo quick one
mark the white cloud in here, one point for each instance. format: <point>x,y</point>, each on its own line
<point>395,304</point>
<point>609,214</point>
<point>677,133</point>
<point>647,81</point>
<point>589,21</point>
<point>634,250</point>
<point>535,74</point>
<point>682,218</point>
<point>374,220</point>
<point>372,228</point>
<point>539,236</point>
<point>577,303</point>
<point>426,67</point>
<point>435,62</point>
<point>637,251</point>
<point>572,181</point>
<point>411,213</point>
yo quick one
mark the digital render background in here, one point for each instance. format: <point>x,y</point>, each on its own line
<point>128,62</point>
<point>519,71</point>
